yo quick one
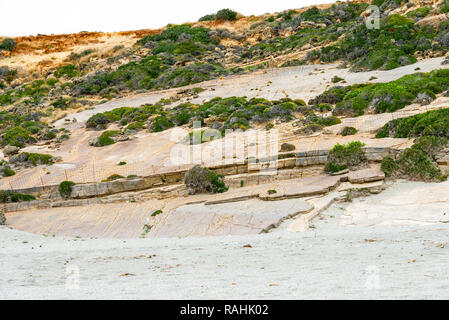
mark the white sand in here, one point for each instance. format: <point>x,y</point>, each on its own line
<point>329,261</point>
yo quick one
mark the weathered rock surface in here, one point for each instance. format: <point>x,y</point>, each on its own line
<point>245,217</point>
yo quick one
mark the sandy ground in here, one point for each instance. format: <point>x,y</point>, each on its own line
<point>332,260</point>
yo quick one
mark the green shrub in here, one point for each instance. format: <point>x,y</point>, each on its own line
<point>226,14</point>
<point>285,147</point>
<point>122,163</point>
<point>65,189</point>
<point>155,213</point>
<point>61,103</point>
<point>207,17</point>
<point>417,162</point>
<point>336,79</point>
<point>431,123</point>
<point>311,14</point>
<point>69,70</point>
<point>348,131</point>
<point>8,171</point>
<point>8,44</point>
<point>9,196</point>
<point>384,97</point>
<point>418,13</point>
<point>348,156</point>
<point>113,177</point>
<point>390,46</point>
<point>39,158</point>
<point>172,33</point>
<point>389,166</point>
<point>98,120</point>
<point>199,179</point>
<point>105,138</point>
<point>230,113</point>
<point>17,136</point>
<point>443,7</point>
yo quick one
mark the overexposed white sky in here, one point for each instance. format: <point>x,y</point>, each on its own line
<point>30,17</point>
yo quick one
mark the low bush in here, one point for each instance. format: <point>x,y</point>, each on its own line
<point>113,177</point>
<point>417,162</point>
<point>431,123</point>
<point>38,158</point>
<point>8,172</point>
<point>285,147</point>
<point>155,213</point>
<point>226,14</point>
<point>348,156</point>
<point>199,179</point>
<point>69,70</point>
<point>348,131</point>
<point>384,97</point>
<point>418,13</point>
<point>228,113</point>
<point>207,17</point>
<point>105,138</point>
<point>8,44</point>
<point>336,79</point>
<point>9,196</point>
<point>65,189</point>
<point>17,136</point>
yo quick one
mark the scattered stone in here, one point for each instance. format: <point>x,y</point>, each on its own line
<point>366,175</point>
<point>10,150</point>
<point>94,142</point>
<point>339,172</point>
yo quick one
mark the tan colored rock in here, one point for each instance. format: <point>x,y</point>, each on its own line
<point>366,175</point>
<point>433,21</point>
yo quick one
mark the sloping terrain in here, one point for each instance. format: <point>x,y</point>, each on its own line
<point>343,194</point>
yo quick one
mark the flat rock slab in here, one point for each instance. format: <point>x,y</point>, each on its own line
<point>366,175</point>
<point>234,196</point>
<point>235,218</point>
<point>444,161</point>
<point>303,188</point>
<point>405,203</point>
<point>372,186</point>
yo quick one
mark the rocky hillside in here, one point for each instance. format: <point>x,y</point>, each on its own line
<point>45,78</point>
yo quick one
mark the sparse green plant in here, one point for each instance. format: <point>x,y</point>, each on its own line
<point>8,171</point>
<point>336,79</point>
<point>348,131</point>
<point>105,138</point>
<point>199,179</point>
<point>226,14</point>
<point>348,156</point>
<point>65,189</point>
<point>9,196</point>
<point>146,230</point>
<point>8,44</point>
<point>38,158</point>
<point>155,213</point>
<point>113,177</point>
<point>417,162</point>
